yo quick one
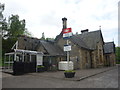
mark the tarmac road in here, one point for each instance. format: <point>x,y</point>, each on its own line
<point>107,79</point>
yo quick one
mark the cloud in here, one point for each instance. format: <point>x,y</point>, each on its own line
<point>45,15</point>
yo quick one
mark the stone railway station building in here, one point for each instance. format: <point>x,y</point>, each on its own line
<point>88,49</point>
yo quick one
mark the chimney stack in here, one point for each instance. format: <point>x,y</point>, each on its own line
<point>84,31</point>
<point>64,23</point>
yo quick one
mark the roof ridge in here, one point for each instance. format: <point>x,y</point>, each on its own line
<point>89,39</point>
<point>109,42</point>
<point>87,32</point>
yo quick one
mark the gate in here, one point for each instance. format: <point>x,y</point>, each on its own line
<point>23,67</point>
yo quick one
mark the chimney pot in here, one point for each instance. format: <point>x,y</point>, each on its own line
<point>64,23</point>
<point>64,19</point>
<point>84,31</point>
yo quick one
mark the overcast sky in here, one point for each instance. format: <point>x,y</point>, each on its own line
<point>45,16</point>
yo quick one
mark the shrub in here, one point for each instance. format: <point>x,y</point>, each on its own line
<point>117,62</point>
<point>40,66</point>
<point>69,71</point>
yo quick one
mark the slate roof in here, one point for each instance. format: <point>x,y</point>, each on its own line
<point>52,48</point>
<point>78,41</point>
<point>91,38</point>
<point>109,47</point>
<point>34,43</point>
<point>27,43</point>
<point>86,40</point>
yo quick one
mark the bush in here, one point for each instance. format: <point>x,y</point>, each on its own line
<point>117,62</point>
<point>40,66</point>
<point>69,71</point>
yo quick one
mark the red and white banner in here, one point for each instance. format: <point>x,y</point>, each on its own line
<point>67,32</point>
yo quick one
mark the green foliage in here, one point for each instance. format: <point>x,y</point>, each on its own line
<point>2,6</point>
<point>7,44</point>
<point>27,33</point>
<point>1,23</point>
<point>49,39</point>
<point>11,29</point>
<point>15,27</point>
<point>40,66</point>
<point>117,62</point>
<point>118,54</point>
<point>69,71</point>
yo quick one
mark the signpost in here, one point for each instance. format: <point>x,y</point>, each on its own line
<point>67,33</point>
<point>39,60</point>
<point>67,47</point>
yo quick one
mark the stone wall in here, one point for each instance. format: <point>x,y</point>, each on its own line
<point>75,55</point>
<point>80,56</point>
<point>85,59</point>
<point>98,55</point>
<point>110,59</point>
<point>61,42</point>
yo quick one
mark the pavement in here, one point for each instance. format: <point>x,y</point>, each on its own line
<point>79,75</point>
<point>106,77</point>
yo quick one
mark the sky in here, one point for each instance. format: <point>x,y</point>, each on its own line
<point>46,16</point>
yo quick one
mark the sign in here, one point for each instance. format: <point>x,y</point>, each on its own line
<point>67,33</point>
<point>67,47</point>
<point>39,59</point>
<point>67,30</point>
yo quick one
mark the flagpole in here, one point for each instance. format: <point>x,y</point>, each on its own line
<point>68,55</point>
<point>67,33</point>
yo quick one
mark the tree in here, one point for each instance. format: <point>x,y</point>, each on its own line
<point>2,23</point>
<point>1,10</point>
<point>118,54</point>
<point>15,28</point>
<point>50,39</point>
<point>10,30</point>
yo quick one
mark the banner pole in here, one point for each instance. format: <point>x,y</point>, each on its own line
<point>68,55</point>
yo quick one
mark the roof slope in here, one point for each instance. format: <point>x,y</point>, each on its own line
<point>109,47</point>
<point>78,41</point>
<point>52,48</point>
<point>91,38</point>
<point>87,40</point>
<point>28,43</point>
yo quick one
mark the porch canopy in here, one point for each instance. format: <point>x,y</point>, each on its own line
<point>11,57</point>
